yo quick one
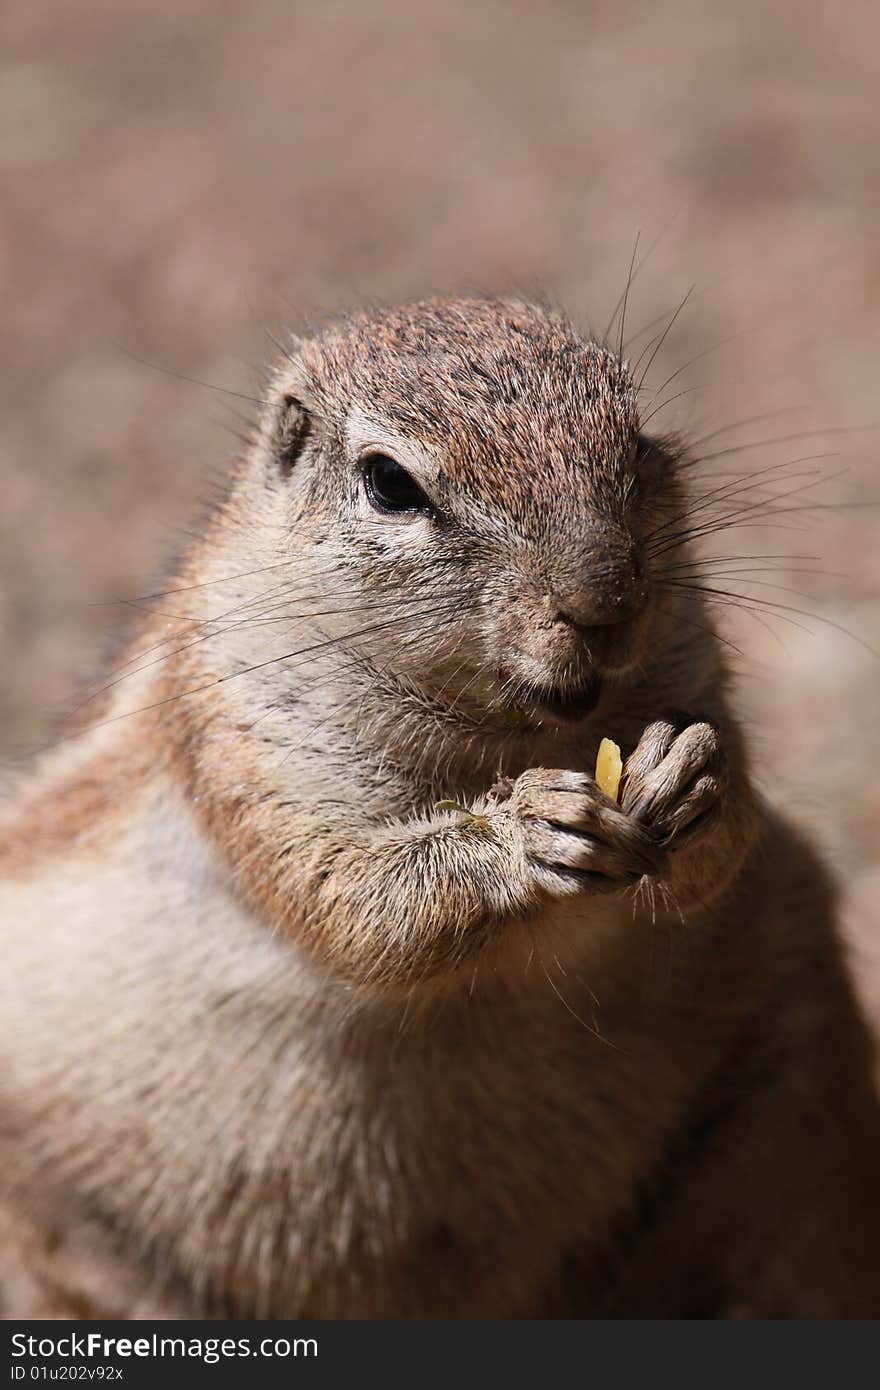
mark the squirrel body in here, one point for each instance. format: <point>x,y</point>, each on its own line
<point>279,1038</point>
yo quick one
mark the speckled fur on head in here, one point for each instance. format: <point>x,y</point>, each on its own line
<point>519,405</point>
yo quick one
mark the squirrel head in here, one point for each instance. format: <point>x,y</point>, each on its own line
<point>466,485</point>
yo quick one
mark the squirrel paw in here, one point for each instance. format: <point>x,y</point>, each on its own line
<point>575,838</point>
<point>674,781</point>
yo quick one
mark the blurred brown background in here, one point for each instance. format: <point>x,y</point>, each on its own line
<point>181,175</point>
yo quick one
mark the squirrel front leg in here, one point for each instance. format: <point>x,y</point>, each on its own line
<point>418,896</point>
<point>687,783</point>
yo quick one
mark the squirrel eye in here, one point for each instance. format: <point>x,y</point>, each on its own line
<point>390,488</point>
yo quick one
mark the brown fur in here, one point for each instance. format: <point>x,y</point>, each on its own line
<point>314,1046</point>
<point>75,810</point>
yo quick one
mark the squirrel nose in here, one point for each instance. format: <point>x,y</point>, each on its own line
<point>597,611</point>
<point>607,594</point>
<point>591,617</point>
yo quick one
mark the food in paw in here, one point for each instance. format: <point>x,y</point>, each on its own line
<point>609,766</point>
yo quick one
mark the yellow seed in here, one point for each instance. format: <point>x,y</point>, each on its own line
<point>478,825</point>
<point>609,766</point>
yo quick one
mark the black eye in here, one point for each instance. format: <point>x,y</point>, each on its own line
<point>390,488</point>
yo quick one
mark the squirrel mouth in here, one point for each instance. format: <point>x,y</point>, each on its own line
<point>569,704</point>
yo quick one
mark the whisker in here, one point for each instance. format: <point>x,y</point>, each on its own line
<point>576,1016</point>
<point>679,395</point>
<point>711,631</point>
<point>743,424</point>
<point>744,482</point>
<point>193,381</point>
<point>664,335</point>
<point>727,520</point>
<point>795,438</point>
<point>629,280</point>
<point>698,357</point>
<point>773,606</point>
<point>430,612</point>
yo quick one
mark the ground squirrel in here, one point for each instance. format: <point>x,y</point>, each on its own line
<point>282,1036</point>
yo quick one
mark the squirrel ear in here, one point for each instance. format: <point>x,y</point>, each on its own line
<point>292,429</point>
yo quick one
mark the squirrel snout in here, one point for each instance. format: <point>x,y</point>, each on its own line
<point>585,616</point>
<point>606,595</point>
